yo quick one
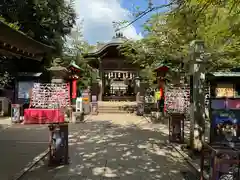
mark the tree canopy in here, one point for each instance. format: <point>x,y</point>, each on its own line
<point>44,20</point>
<point>170,33</point>
<point>74,49</point>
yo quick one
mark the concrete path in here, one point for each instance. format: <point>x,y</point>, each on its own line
<point>19,146</point>
<point>5,122</point>
<point>116,146</point>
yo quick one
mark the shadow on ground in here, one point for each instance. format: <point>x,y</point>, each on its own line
<point>1,127</point>
<point>20,144</point>
<point>101,150</point>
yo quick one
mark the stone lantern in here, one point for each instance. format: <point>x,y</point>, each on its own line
<point>58,73</point>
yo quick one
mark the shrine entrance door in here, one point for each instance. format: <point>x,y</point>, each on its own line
<point>119,86</point>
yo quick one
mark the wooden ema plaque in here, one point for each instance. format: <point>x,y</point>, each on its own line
<point>50,95</point>
<point>176,128</point>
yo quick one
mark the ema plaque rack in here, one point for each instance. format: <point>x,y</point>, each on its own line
<point>50,95</point>
<point>177,99</point>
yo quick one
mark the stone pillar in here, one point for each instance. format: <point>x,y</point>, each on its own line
<point>197,105</point>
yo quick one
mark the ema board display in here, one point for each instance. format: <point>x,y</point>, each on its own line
<point>50,95</point>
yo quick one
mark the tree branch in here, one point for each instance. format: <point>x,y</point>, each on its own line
<point>148,10</point>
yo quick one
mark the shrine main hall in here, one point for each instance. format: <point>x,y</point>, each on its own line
<point>118,78</point>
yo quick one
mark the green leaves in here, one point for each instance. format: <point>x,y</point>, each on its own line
<point>5,78</point>
<point>14,25</point>
<point>169,35</point>
<point>44,20</point>
<point>74,49</point>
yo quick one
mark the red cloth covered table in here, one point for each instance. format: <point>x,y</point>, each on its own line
<point>43,116</point>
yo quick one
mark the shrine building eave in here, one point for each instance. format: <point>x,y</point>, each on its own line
<point>96,55</point>
<point>223,76</point>
<point>19,44</point>
<point>100,51</point>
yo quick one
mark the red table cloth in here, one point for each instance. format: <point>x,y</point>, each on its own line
<point>43,116</point>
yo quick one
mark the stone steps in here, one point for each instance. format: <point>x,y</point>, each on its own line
<point>113,107</point>
<point>115,103</point>
<point>110,109</point>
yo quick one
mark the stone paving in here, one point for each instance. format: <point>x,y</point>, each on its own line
<point>19,146</point>
<point>116,146</point>
<point>5,122</point>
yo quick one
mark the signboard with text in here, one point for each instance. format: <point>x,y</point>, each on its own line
<point>225,90</point>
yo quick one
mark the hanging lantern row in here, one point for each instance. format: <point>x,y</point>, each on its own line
<point>74,76</point>
<point>114,75</point>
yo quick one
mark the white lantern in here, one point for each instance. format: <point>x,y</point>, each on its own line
<point>130,75</point>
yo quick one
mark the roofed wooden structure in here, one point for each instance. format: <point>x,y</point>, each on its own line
<point>23,57</point>
<point>16,43</point>
<point>116,74</point>
<point>109,49</point>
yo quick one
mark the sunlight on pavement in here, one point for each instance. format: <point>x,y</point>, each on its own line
<point>113,149</point>
<point>98,171</point>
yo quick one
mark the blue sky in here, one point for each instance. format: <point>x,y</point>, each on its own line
<point>142,4</point>
<point>96,17</point>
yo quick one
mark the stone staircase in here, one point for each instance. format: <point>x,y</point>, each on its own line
<point>114,106</point>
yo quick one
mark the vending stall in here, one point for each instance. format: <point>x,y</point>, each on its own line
<point>221,156</point>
